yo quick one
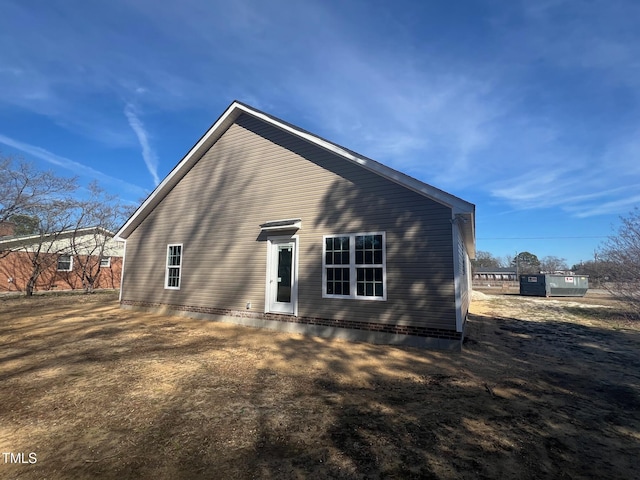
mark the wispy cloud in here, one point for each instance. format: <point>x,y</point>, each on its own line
<point>70,165</point>
<point>395,105</point>
<point>535,189</point>
<point>428,120</point>
<point>581,192</point>
<point>522,103</point>
<point>148,155</point>
<point>601,35</point>
<point>619,206</point>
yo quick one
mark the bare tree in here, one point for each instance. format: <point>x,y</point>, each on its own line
<point>98,217</point>
<point>485,259</point>
<point>508,260</point>
<point>44,248</point>
<point>623,251</point>
<point>599,270</point>
<point>27,191</point>
<point>552,264</point>
<point>43,198</point>
<point>56,225</point>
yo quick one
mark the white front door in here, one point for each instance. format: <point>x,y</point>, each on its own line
<point>282,288</point>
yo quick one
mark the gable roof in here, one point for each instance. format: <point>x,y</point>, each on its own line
<point>460,208</point>
<point>14,241</point>
<point>81,241</point>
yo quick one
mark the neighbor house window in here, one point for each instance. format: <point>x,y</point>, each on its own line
<point>354,266</point>
<point>174,267</point>
<point>105,262</point>
<point>65,263</point>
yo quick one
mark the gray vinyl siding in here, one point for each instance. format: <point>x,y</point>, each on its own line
<point>255,173</point>
<point>464,276</point>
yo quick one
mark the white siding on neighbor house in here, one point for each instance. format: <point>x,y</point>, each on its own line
<point>255,173</point>
<point>85,244</point>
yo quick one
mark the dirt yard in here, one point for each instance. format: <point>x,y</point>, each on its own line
<point>543,388</point>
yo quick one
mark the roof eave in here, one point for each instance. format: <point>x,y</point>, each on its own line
<point>29,239</point>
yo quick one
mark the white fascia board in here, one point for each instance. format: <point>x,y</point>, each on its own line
<point>466,223</point>
<point>31,239</point>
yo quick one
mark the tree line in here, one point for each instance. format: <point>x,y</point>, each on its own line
<point>523,262</point>
<point>615,265</point>
<point>43,206</point>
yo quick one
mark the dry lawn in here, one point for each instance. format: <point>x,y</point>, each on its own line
<point>543,389</point>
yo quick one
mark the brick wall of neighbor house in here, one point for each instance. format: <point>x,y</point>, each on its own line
<point>255,173</point>
<point>15,269</point>
<point>7,229</point>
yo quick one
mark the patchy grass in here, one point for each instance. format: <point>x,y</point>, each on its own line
<point>543,389</point>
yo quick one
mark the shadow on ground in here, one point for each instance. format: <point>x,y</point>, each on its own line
<point>100,392</point>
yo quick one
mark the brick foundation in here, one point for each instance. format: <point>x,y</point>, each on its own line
<point>424,332</point>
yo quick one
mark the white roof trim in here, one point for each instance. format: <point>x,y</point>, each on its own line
<point>25,239</point>
<point>234,110</point>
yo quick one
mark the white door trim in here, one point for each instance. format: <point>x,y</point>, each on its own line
<point>270,304</point>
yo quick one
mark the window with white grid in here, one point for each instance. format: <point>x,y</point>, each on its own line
<point>354,266</point>
<point>173,272</point>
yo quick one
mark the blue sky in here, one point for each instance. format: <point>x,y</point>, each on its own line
<point>530,110</point>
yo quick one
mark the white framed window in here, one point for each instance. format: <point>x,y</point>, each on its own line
<point>173,273</point>
<point>354,266</point>
<point>105,262</point>
<point>65,263</point>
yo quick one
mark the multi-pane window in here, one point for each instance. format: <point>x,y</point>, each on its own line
<point>354,266</point>
<point>174,267</point>
<point>65,263</point>
<point>369,266</point>
<point>336,258</point>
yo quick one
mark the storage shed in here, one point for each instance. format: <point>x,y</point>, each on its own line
<point>551,285</point>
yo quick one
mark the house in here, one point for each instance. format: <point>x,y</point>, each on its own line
<point>86,258</point>
<point>267,225</point>
<point>494,275</point>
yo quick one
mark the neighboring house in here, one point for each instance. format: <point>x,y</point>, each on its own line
<point>86,258</point>
<point>267,225</point>
<point>495,274</point>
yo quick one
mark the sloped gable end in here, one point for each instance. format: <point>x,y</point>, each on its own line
<point>462,210</point>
